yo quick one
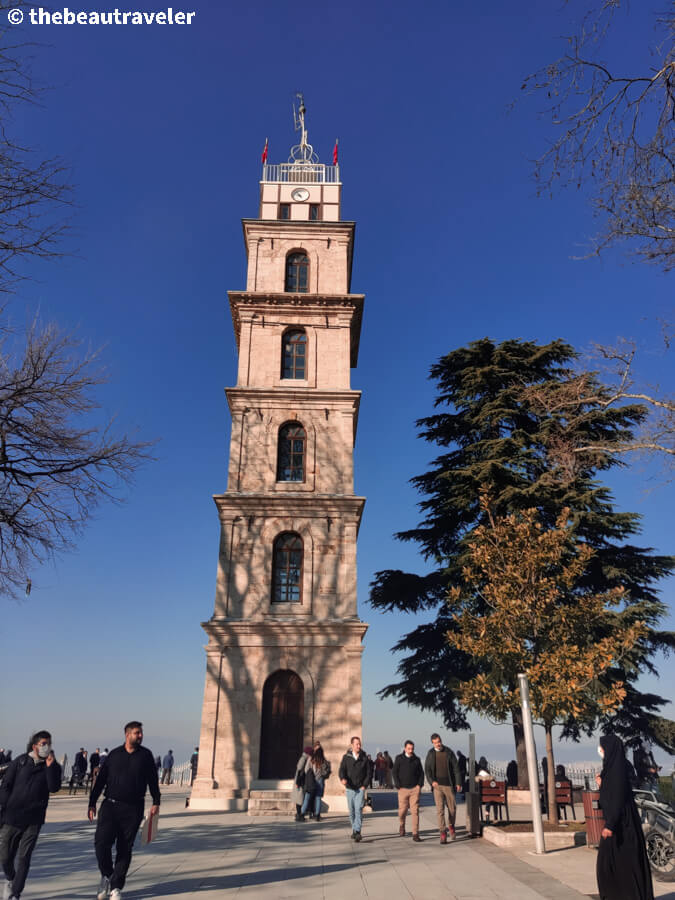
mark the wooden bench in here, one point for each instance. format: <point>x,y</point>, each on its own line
<point>496,793</point>
<point>564,797</point>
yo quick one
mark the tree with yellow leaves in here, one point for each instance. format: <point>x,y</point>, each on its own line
<point>525,608</point>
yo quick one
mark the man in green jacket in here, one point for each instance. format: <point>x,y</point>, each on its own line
<point>442,773</point>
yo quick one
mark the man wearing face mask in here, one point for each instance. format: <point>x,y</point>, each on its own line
<point>24,795</point>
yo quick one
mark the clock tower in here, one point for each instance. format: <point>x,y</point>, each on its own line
<point>283,658</point>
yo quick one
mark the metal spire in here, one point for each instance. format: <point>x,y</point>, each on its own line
<point>302,152</point>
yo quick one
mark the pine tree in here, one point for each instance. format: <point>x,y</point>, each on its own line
<point>493,435</point>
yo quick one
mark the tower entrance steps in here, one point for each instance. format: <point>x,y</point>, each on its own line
<point>269,797</point>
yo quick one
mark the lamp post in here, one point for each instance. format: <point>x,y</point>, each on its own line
<point>533,775</point>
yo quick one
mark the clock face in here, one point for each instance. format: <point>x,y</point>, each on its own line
<point>300,194</point>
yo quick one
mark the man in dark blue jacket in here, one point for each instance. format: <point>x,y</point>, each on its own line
<point>24,795</point>
<point>167,767</point>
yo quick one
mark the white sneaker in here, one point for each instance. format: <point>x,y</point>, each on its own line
<point>116,894</point>
<point>103,888</point>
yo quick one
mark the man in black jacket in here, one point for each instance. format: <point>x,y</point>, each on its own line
<point>408,780</point>
<point>125,775</point>
<point>354,775</point>
<point>24,796</point>
<point>442,773</point>
<point>80,765</point>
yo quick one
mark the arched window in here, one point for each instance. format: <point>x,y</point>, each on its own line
<point>297,273</point>
<point>294,354</point>
<point>291,452</point>
<point>287,569</point>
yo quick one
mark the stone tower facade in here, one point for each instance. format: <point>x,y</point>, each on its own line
<point>283,659</point>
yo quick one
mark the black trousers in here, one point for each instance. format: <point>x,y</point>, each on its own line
<point>117,824</point>
<point>16,849</point>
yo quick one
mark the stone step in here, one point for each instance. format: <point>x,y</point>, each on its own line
<point>272,784</point>
<point>270,803</point>
<point>270,795</point>
<point>279,813</point>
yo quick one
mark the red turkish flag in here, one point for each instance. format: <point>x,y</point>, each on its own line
<point>335,153</point>
<point>264,153</point>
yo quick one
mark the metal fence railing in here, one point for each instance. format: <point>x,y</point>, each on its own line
<point>582,775</point>
<point>180,775</point>
<point>302,172</point>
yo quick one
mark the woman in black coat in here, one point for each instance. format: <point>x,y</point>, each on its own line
<point>623,868</point>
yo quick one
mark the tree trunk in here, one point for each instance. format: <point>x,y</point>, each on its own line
<point>521,752</point>
<point>552,805</point>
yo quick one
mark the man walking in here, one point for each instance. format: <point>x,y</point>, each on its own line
<point>94,763</point>
<point>24,796</point>
<point>125,775</point>
<point>79,768</point>
<point>194,764</point>
<point>80,764</point>
<point>167,766</point>
<point>442,773</point>
<point>353,774</point>
<point>408,777</point>
<point>462,765</point>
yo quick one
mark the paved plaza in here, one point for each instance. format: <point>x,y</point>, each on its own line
<point>222,855</point>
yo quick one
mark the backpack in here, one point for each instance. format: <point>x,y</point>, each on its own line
<point>310,782</point>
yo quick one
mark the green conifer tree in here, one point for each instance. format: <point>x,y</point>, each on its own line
<point>494,435</point>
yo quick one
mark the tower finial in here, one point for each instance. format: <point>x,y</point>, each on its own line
<point>302,152</point>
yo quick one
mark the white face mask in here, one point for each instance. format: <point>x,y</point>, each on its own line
<point>44,750</point>
<point>601,752</point>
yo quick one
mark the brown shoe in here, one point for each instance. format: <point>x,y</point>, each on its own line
<point>401,830</point>
<point>417,839</point>
<point>453,836</point>
<point>444,837</point>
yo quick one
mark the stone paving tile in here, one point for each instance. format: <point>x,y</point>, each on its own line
<point>205,856</point>
<point>540,883</point>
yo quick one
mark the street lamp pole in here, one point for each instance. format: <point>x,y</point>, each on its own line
<point>533,775</point>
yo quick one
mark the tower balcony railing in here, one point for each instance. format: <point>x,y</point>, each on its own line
<point>302,172</point>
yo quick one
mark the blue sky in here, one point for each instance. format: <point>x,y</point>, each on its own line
<point>163,127</point>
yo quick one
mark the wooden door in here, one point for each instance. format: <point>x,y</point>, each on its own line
<point>283,713</point>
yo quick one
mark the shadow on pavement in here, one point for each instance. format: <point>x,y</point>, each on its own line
<point>186,886</point>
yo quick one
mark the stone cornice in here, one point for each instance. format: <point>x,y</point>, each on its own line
<point>291,226</point>
<point>307,398</point>
<point>290,631</point>
<point>265,303</point>
<point>232,506</point>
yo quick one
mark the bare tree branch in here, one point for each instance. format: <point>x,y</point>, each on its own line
<point>57,460</point>
<point>614,386</point>
<point>56,463</point>
<point>35,194</point>
<point>616,133</point>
